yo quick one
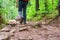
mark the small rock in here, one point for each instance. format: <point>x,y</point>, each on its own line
<point>12,22</point>
<point>43,22</point>
<point>11,34</point>
<point>4,37</point>
<point>23,29</point>
<point>26,38</point>
<point>17,18</point>
<point>6,29</point>
<point>13,31</point>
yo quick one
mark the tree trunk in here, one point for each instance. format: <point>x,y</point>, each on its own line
<point>52,4</point>
<point>1,19</point>
<point>37,5</point>
<point>59,7</point>
<point>46,7</point>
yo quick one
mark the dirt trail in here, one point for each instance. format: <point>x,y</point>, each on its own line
<point>56,22</point>
<point>28,32</point>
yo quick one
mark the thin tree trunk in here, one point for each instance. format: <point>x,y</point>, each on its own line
<point>59,7</point>
<point>37,5</point>
<point>46,7</point>
<point>1,19</point>
<point>52,4</point>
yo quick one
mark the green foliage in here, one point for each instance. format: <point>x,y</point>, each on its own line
<point>9,11</point>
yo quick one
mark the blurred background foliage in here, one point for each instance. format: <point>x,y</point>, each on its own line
<point>47,8</point>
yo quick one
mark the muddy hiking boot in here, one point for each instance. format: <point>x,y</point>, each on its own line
<point>21,20</point>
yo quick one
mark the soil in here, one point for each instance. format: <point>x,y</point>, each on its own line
<point>29,32</point>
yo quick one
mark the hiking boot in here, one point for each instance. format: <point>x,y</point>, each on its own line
<point>21,20</point>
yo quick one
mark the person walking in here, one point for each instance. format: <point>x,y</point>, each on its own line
<point>22,5</point>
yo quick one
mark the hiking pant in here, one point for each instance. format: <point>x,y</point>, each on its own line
<point>22,10</point>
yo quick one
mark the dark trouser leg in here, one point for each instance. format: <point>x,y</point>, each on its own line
<point>20,11</point>
<point>24,11</point>
<point>20,8</point>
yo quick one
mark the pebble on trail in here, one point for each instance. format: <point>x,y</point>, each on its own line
<point>12,22</point>
<point>17,18</point>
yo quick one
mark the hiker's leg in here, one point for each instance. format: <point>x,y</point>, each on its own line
<point>24,11</point>
<point>20,9</point>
